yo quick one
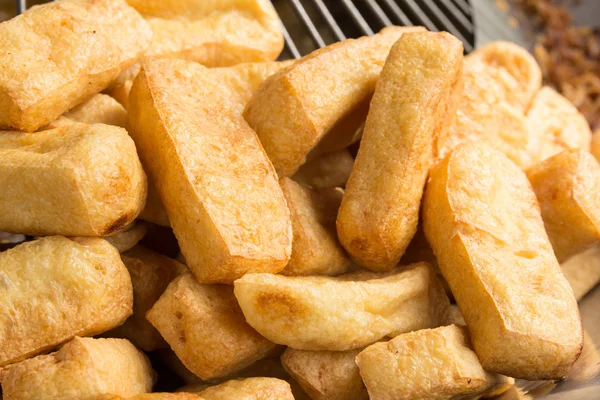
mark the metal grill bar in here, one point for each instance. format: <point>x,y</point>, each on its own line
<point>308,23</point>
<point>404,20</point>
<point>421,16</point>
<point>289,43</point>
<point>379,12</point>
<point>330,20</point>
<point>454,12</point>
<point>358,18</point>
<point>464,7</point>
<point>21,6</point>
<point>446,23</point>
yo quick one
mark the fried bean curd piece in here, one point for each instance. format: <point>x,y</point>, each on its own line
<point>566,186</point>
<point>595,144</point>
<point>213,33</point>
<point>72,180</point>
<point>484,224</point>
<point>556,124</point>
<point>150,274</point>
<point>315,247</point>
<point>411,106</point>
<point>513,67</point>
<point>55,288</point>
<point>344,312</point>
<point>129,237</point>
<point>206,328</point>
<point>328,170</point>
<point>83,369</point>
<point>294,108</point>
<point>484,115</point>
<point>583,271</point>
<point>66,51</point>
<point>153,396</point>
<point>326,375</point>
<point>430,364</point>
<point>249,389</point>
<point>202,156</point>
<point>154,211</point>
<point>99,109</point>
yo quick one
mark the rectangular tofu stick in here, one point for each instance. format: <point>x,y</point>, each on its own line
<point>484,225</point>
<point>66,51</point>
<point>412,104</point>
<point>213,177</point>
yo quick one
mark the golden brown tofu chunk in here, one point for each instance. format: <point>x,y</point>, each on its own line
<point>72,180</point>
<point>328,170</point>
<point>326,375</point>
<point>484,224</point>
<point>99,109</point>
<point>583,271</point>
<point>557,125</point>
<point>128,237</point>
<point>83,369</point>
<point>411,106</point>
<point>55,288</point>
<point>213,177</point>
<point>293,109</point>
<point>566,186</point>
<point>65,51</point>
<point>344,312</point>
<point>150,274</point>
<point>206,328</point>
<point>249,389</point>
<point>315,247</point>
<point>154,211</point>
<point>430,364</point>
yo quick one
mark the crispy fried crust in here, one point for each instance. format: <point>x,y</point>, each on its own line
<point>73,180</point>
<point>484,224</point>
<point>83,369</point>
<point>65,51</point>
<point>430,364</point>
<point>55,288</point>
<point>99,109</point>
<point>249,389</point>
<point>129,237</point>
<point>205,327</point>
<point>217,185</point>
<point>566,186</point>
<point>341,313</point>
<point>294,108</point>
<point>411,106</point>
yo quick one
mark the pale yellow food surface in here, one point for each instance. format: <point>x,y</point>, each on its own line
<point>153,396</point>
<point>129,237</point>
<point>315,247</point>
<point>213,177</point>
<point>72,180</point>
<point>154,211</point>
<point>567,188</point>
<point>249,389</point>
<point>56,55</point>
<point>512,67</point>
<point>430,364</point>
<point>557,125</point>
<point>294,108</point>
<point>83,369</point>
<point>583,271</point>
<point>595,144</point>
<point>328,170</point>
<point>55,288</point>
<point>411,107</point>
<point>206,328</point>
<point>150,274</point>
<point>344,312</point>
<point>484,224</point>
<point>99,109</point>
<point>326,375</point>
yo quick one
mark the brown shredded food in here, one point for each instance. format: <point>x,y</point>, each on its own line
<point>569,56</point>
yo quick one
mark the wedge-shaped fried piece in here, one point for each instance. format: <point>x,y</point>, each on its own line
<point>326,375</point>
<point>329,170</point>
<point>201,155</point>
<point>411,106</point>
<point>484,224</point>
<point>341,313</point>
<point>72,180</point>
<point>483,114</point>
<point>294,108</point>
<point>55,288</point>
<point>99,109</point>
<point>150,274</point>
<point>556,124</point>
<point>566,186</point>
<point>249,389</point>
<point>213,33</point>
<point>513,68</point>
<point>583,271</point>
<point>65,51</point>
<point>129,237</point>
<point>315,247</point>
<point>430,364</point>
<point>83,369</point>
<point>205,327</point>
